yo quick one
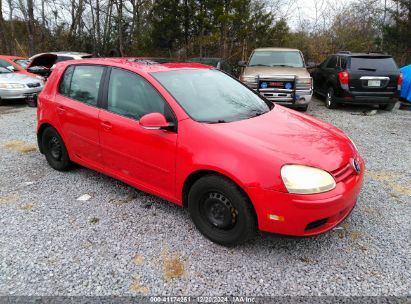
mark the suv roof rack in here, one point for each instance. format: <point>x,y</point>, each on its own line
<point>344,52</point>
<point>377,52</point>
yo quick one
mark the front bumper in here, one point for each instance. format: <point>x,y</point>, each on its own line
<point>7,94</point>
<point>305,215</point>
<point>287,97</point>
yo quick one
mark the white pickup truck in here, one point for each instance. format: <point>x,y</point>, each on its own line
<point>280,75</point>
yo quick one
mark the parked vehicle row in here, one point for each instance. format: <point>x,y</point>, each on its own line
<point>277,74</point>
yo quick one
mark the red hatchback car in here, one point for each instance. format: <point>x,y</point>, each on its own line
<point>199,138</point>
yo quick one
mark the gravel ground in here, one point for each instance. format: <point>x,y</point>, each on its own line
<point>125,242</point>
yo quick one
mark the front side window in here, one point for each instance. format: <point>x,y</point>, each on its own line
<point>131,96</point>
<point>85,83</point>
<point>277,58</point>
<point>211,96</point>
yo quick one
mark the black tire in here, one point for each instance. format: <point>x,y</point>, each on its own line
<point>221,211</point>
<point>1,102</point>
<point>303,108</point>
<point>387,107</point>
<point>55,150</point>
<point>330,102</point>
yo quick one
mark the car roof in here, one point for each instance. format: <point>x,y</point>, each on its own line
<point>349,54</point>
<point>276,49</point>
<point>11,57</point>
<point>143,66</point>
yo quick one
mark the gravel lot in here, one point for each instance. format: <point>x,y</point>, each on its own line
<point>125,242</point>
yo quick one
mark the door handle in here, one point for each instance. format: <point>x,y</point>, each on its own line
<point>106,125</point>
<point>61,110</point>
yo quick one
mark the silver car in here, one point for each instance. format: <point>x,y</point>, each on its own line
<point>18,86</point>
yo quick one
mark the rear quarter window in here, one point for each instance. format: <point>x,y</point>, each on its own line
<point>373,64</point>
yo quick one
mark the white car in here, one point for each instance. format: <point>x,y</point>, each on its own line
<point>18,86</point>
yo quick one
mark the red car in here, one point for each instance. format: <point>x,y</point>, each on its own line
<point>19,64</point>
<point>197,137</point>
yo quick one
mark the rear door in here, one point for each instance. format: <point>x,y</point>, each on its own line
<point>76,106</point>
<point>373,74</point>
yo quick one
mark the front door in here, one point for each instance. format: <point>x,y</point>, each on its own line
<point>144,157</point>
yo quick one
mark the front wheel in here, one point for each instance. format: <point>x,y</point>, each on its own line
<point>221,211</point>
<point>330,102</point>
<point>55,150</point>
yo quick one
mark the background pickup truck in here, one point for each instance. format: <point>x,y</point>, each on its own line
<point>279,75</point>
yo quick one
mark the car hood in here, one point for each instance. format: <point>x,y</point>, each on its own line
<point>43,60</point>
<point>17,78</point>
<point>290,137</point>
<point>275,71</point>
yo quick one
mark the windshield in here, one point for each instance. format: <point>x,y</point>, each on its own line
<point>22,62</point>
<point>211,96</point>
<point>3,70</point>
<point>277,58</point>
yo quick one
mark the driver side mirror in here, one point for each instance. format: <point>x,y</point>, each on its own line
<point>311,65</point>
<point>242,64</point>
<point>155,121</point>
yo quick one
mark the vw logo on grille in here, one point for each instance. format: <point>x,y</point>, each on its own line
<point>356,166</point>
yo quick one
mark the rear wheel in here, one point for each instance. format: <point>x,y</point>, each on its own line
<point>387,107</point>
<point>221,211</point>
<point>55,150</point>
<point>330,102</point>
<point>304,108</point>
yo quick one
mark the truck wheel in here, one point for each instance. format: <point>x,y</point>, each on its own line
<point>387,107</point>
<point>330,102</point>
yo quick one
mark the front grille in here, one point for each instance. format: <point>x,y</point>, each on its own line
<point>343,172</point>
<point>316,224</point>
<point>33,85</point>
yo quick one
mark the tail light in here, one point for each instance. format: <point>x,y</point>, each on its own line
<point>399,81</point>
<point>343,78</point>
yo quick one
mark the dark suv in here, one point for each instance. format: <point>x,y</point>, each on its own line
<point>358,78</point>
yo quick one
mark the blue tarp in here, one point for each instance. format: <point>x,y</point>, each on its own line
<point>406,84</point>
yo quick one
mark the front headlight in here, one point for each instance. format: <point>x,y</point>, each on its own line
<point>248,79</point>
<point>12,86</point>
<point>301,179</point>
<point>304,83</point>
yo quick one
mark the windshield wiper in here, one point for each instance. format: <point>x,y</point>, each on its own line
<point>283,65</point>
<point>265,65</point>
<point>213,121</point>
<point>367,69</point>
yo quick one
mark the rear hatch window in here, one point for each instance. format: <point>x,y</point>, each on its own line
<point>373,64</point>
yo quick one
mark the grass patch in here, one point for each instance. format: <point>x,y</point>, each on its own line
<point>19,146</point>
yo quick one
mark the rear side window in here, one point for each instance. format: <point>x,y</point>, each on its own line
<point>332,62</point>
<point>373,64</point>
<point>82,83</point>
<point>131,96</point>
<point>64,86</point>
<point>63,58</point>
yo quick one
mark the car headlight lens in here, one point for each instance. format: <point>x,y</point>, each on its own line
<point>301,179</point>
<point>12,86</point>
<point>304,83</point>
<point>248,79</point>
